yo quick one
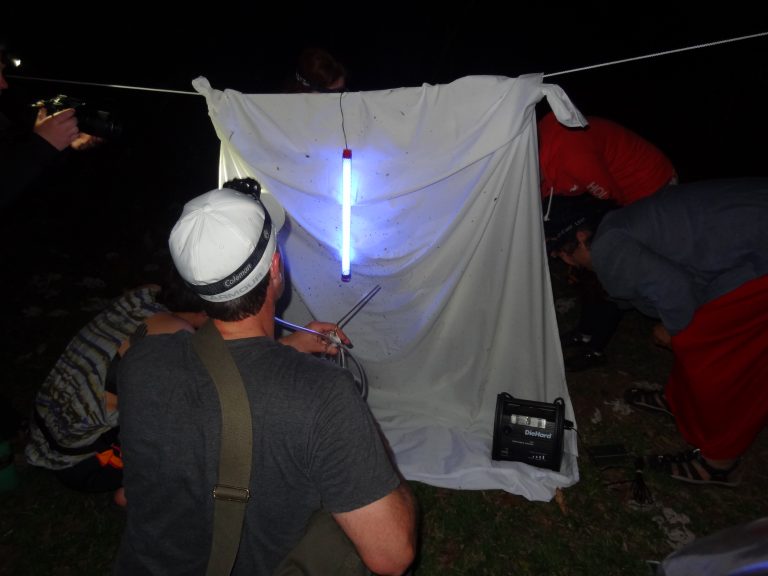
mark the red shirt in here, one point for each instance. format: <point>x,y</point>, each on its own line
<point>604,159</point>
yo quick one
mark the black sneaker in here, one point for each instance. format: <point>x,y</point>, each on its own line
<point>584,360</point>
<point>574,338</point>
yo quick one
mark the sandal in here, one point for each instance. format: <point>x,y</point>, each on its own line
<point>692,467</point>
<point>646,399</point>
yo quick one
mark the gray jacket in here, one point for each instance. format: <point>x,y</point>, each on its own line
<point>672,252</point>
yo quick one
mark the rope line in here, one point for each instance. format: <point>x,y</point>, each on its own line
<point>104,85</point>
<point>550,75</point>
<point>656,54</point>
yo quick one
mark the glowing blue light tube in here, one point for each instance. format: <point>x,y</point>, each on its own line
<point>346,213</point>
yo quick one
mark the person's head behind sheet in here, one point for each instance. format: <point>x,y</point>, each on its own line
<point>318,71</point>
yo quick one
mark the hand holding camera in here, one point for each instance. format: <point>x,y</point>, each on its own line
<point>93,125</point>
<point>59,129</point>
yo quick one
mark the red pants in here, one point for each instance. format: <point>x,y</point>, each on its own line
<point>718,388</point>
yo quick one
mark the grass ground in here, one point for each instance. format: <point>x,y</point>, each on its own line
<point>594,527</point>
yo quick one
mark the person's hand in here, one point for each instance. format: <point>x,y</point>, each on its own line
<point>86,142</point>
<point>314,344</point>
<point>59,129</point>
<point>661,336</point>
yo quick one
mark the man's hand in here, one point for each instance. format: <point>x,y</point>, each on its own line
<point>314,344</point>
<point>661,336</point>
<point>86,142</point>
<point>59,129</point>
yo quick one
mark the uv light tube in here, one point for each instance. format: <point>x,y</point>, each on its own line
<point>346,213</point>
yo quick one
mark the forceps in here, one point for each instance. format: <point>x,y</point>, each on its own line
<point>332,337</point>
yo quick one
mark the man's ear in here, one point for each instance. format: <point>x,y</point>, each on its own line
<point>275,270</point>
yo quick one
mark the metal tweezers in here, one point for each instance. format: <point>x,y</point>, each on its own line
<point>332,337</point>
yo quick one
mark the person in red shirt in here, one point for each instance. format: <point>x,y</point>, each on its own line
<point>614,164</point>
<point>605,159</point>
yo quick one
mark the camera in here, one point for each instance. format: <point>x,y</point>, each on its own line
<point>99,123</point>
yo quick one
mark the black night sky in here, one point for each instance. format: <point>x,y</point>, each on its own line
<point>705,108</point>
<point>697,104</point>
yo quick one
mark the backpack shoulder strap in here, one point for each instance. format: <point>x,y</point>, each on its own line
<point>231,493</point>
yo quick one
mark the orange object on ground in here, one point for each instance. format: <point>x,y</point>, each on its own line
<point>111,457</point>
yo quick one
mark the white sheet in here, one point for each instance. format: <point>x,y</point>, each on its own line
<point>447,219</point>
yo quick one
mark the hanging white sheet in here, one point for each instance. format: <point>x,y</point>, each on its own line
<point>447,219</point>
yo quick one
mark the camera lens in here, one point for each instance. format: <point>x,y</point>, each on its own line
<point>98,123</point>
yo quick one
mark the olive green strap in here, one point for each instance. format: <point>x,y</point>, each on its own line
<point>231,494</point>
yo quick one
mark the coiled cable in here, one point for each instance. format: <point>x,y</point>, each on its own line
<point>346,360</point>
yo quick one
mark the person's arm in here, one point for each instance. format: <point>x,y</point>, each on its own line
<point>160,323</point>
<point>25,156</point>
<point>384,531</point>
<point>167,323</point>
<point>357,478</point>
<point>662,337</point>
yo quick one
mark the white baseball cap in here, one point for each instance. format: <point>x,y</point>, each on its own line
<point>223,243</point>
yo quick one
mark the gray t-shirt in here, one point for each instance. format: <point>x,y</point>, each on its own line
<point>315,445</point>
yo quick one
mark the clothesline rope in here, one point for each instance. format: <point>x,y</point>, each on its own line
<point>656,54</point>
<point>550,75</point>
<point>122,87</point>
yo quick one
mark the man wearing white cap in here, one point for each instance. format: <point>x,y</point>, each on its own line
<point>315,444</point>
